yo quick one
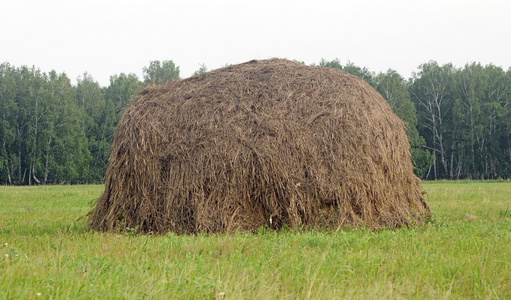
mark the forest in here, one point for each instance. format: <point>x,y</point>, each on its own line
<point>51,131</point>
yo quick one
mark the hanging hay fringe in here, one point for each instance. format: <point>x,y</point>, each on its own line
<point>265,143</point>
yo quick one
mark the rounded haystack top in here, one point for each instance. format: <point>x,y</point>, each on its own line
<point>264,143</point>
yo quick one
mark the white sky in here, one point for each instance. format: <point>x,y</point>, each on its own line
<point>105,37</point>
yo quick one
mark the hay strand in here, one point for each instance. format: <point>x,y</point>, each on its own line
<point>265,140</point>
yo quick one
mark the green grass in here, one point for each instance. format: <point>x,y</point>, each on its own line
<point>47,253</point>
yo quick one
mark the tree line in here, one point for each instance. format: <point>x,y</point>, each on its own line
<point>54,132</point>
<point>459,119</point>
<point>51,131</point>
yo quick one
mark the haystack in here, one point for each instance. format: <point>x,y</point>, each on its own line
<point>266,143</point>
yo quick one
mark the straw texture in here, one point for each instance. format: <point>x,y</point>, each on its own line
<point>265,143</point>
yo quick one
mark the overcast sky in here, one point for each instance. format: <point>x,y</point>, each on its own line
<point>106,37</point>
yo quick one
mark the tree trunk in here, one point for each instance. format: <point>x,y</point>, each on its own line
<point>34,177</point>
<point>9,174</point>
<point>451,167</point>
<point>46,163</point>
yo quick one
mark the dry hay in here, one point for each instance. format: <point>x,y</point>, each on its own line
<point>265,143</point>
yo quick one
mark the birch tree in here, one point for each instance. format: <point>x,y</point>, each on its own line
<point>8,109</point>
<point>98,124</point>
<point>431,93</point>
<point>122,89</point>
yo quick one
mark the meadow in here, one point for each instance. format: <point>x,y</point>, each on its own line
<point>47,252</point>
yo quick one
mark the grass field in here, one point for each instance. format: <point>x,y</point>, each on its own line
<point>465,252</point>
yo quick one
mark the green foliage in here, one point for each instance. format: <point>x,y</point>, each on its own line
<point>8,113</point>
<point>53,132</point>
<point>203,69</point>
<point>463,114</point>
<point>431,91</point>
<point>98,123</point>
<point>463,253</point>
<point>336,64</point>
<point>41,138</point>
<point>458,119</point>
<point>66,154</point>
<point>122,90</point>
<point>363,73</point>
<point>160,72</point>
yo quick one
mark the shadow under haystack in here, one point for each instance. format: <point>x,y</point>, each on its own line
<point>265,143</point>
